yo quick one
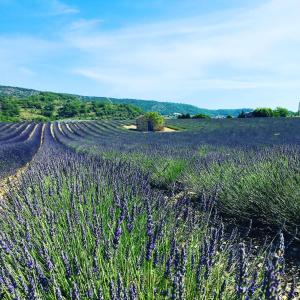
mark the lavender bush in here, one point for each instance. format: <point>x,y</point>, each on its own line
<point>93,225</point>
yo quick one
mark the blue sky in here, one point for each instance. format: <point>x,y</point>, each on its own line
<point>213,54</point>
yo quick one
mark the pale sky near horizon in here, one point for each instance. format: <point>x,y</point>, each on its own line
<point>213,54</point>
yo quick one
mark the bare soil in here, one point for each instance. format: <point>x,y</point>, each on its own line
<point>165,129</point>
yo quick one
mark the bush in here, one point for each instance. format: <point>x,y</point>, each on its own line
<point>242,115</point>
<point>201,116</point>
<point>184,116</point>
<point>280,112</point>
<point>157,119</point>
<point>263,112</point>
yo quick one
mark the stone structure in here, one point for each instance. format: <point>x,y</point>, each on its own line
<point>145,123</point>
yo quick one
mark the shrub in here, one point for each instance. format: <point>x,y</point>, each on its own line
<point>201,116</point>
<point>157,119</point>
<point>263,112</point>
<point>184,116</point>
<point>242,115</point>
<point>280,112</point>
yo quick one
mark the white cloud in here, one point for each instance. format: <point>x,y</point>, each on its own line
<point>84,24</point>
<point>236,50</point>
<point>60,8</point>
<point>242,50</point>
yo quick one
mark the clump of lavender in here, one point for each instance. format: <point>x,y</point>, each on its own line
<point>241,272</point>
<point>92,226</point>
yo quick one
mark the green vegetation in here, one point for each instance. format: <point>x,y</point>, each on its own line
<point>47,106</point>
<point>201,116</point>
<point>184,116</point>
<point>267,112</point>
<point>281,112</point>
<point>164,108</point>
<point>9,109</point>
<point>264,191</point>
<point>158,120</point>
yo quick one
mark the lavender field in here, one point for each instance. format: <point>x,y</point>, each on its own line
<point>91,210</point>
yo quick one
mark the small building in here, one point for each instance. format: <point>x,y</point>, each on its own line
<point>150,122</point>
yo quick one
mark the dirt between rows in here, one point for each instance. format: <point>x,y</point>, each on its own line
<point>165,129</point>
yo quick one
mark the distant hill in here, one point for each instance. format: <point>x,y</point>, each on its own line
<point>165,108</point>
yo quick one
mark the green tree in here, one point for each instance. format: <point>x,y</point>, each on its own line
<point>263,112</point>
<point>69,109</point>
<point>10,108</point>
<point>281,112</point>
<point>157,119</point>
<point>184,116</point>
<point>83,109</point>
<point>48,110</point>
<point>201,116</point>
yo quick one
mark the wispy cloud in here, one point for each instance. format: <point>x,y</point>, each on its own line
<point>236,55</point>
<point>84,24</point>
<point>243,49</point>
<point>60,8</point>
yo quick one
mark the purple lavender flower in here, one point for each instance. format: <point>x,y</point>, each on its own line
<point>133,292</point>
<point>31,292</point>
<point>112,291</point>
<point>75,295</point>
<point>42,279</point>
<point>117,234</point>
<point>150,224</point>
<point>77,269</point>
<point>100,294</point>
<point>253,284</point>
<point>106,250</point>
<point>120,289</point>
<point>58,293</point>
<point>89,293</point>
<point>241,272</point>
<point>67,265</point>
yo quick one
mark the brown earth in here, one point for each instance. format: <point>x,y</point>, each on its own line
<point>165,129</point>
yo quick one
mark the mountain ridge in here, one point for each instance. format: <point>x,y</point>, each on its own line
<point>165,108</point>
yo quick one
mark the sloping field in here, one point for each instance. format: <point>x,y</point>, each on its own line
<point>102,212</point>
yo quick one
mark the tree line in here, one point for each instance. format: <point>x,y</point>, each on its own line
<point>47,106</point>
<point>256,113</point>
<point>265,112</point>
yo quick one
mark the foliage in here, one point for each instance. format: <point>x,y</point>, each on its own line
<point>184,116</point>
<point>201,116</point>
<point>69,109</point>
<point>9,107</point>
<point>242,115</point>
<point>280,112</point>
<point>263,112</point>
<point>51,106</point>
<point>157,119</point>
<point>268,112</point>
<point>48,110</point>
<point>164,108</point>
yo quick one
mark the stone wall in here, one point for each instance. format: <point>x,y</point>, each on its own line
<point>142,124</point>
